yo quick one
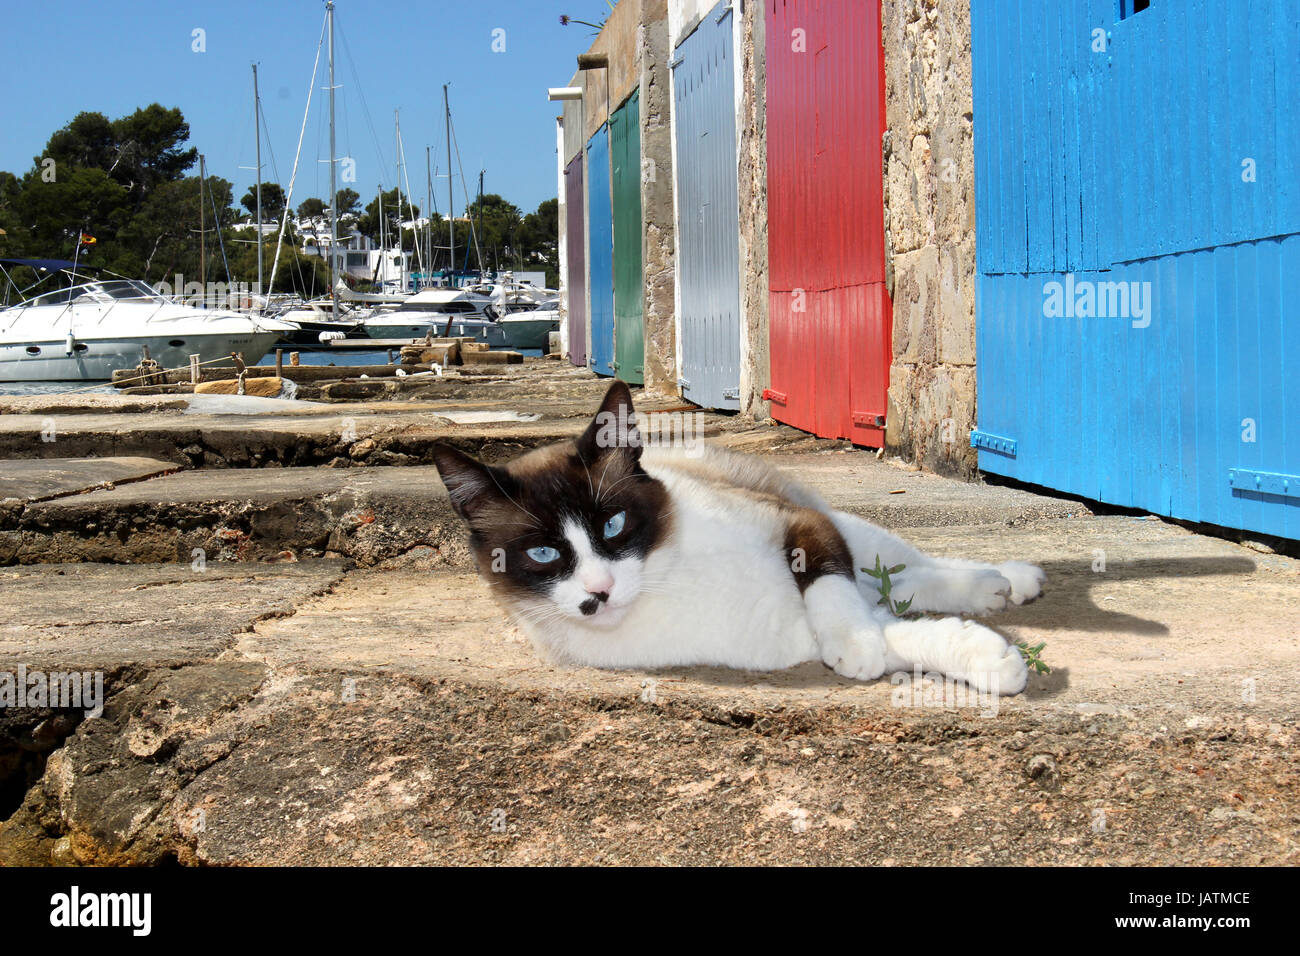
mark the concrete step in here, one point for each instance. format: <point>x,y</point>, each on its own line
<point>375,513</point>
<point>38,479</point>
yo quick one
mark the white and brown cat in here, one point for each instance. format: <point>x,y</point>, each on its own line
<point>615,555</point>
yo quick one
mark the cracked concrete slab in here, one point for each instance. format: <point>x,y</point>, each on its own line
<point>397,717</point>
<point>383,710</point>
<point>36,479</point>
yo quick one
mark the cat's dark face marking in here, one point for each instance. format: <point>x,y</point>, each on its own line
<point>565,530</point>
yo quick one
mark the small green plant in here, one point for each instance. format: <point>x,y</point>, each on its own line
<point>881,574</point>
<point>1031,655</point>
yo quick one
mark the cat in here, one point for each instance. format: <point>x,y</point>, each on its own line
<point>611,554</point>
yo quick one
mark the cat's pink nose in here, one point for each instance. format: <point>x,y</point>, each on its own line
<point>600,583</point>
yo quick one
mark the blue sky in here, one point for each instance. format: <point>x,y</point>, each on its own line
<point>115,57</point>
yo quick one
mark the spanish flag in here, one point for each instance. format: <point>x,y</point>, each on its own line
<point>87,239</point>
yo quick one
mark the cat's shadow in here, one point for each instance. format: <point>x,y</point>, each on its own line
<point>1074,596</point>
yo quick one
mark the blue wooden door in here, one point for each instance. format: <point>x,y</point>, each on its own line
<point>1137,183</point>
<point>600,254</point>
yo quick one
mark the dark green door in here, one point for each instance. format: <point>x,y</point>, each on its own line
<point>625,158</point>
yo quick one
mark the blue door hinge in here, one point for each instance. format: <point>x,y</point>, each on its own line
<point>1264,482</point>
<point>989,442</point>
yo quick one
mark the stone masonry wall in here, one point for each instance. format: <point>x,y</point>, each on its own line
<point>930,232</point>
<point>657,221</point>
<point>755,372</point>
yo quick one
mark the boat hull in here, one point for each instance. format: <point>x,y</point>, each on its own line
<point>101,357</point>
<point>529,332</point>
<point>477,329</point>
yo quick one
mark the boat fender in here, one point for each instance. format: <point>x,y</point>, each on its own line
<point>71,344</point>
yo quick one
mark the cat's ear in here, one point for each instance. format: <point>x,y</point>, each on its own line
<point>471,484</point>
<point>614,426</point>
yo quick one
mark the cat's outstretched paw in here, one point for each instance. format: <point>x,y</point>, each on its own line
<point>986,591</point>
<point>1026,580</point>
<point>989,663</point>
<point>857,654</point>
<point>976,590</point>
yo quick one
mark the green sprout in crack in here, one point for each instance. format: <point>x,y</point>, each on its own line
<point>881,574</point>
<point>1030,654</point>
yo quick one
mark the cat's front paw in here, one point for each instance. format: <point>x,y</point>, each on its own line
<point>858,654</point>
<point>1026,580</point>
<point>990,663</point>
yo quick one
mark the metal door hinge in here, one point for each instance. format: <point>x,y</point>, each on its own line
<point>1264,482</point>
<point>989,442</point>
<point>869,419</point>
<point>772,395</point>
<point>683,383</point>
<point>732,393</point>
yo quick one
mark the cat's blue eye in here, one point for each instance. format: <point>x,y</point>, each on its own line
<point>543,555</point>
<point>615,524</point>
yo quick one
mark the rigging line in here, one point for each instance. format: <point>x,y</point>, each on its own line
<point>275,170</point>
<point>284,216</point>
<point>406,174</point>
<point>473,233</point>
<point>216,225</point>
<point>365,108</point>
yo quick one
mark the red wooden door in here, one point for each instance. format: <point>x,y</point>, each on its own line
<point>830,334</point>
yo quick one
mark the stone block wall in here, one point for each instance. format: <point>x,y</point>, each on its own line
<point>930,232</point>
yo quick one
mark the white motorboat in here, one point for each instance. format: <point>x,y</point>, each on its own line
<point>316,322</point>
<point>529,328</point>
<point>87,331</point>
<point>442,312</point>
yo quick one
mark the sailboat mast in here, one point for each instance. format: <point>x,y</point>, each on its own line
<point>334,196</point>
<point>397,146</point>
<point>203,234</point>
<point>257,125</point>
<point>428,212</point>
<point>451,201</point>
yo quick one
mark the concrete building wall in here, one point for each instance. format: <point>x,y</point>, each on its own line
<point>605,89</point>
<point>930,232</point>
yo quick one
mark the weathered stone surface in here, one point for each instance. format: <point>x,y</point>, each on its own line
<point>317,712</point>
<point>755,354</point>
<point>398,718</point>
<point>658,217</point>
<point>930,216</point>
<point>34,479</point>
<point>367,514</point>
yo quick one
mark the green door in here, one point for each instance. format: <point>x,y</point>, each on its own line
<point>629,290</point>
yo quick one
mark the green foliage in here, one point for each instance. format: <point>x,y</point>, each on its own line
<point>311,209</point>
<point>349,201</point>
<point>1031,656</point>
<point>272,201</point>
<point>882,574</point>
